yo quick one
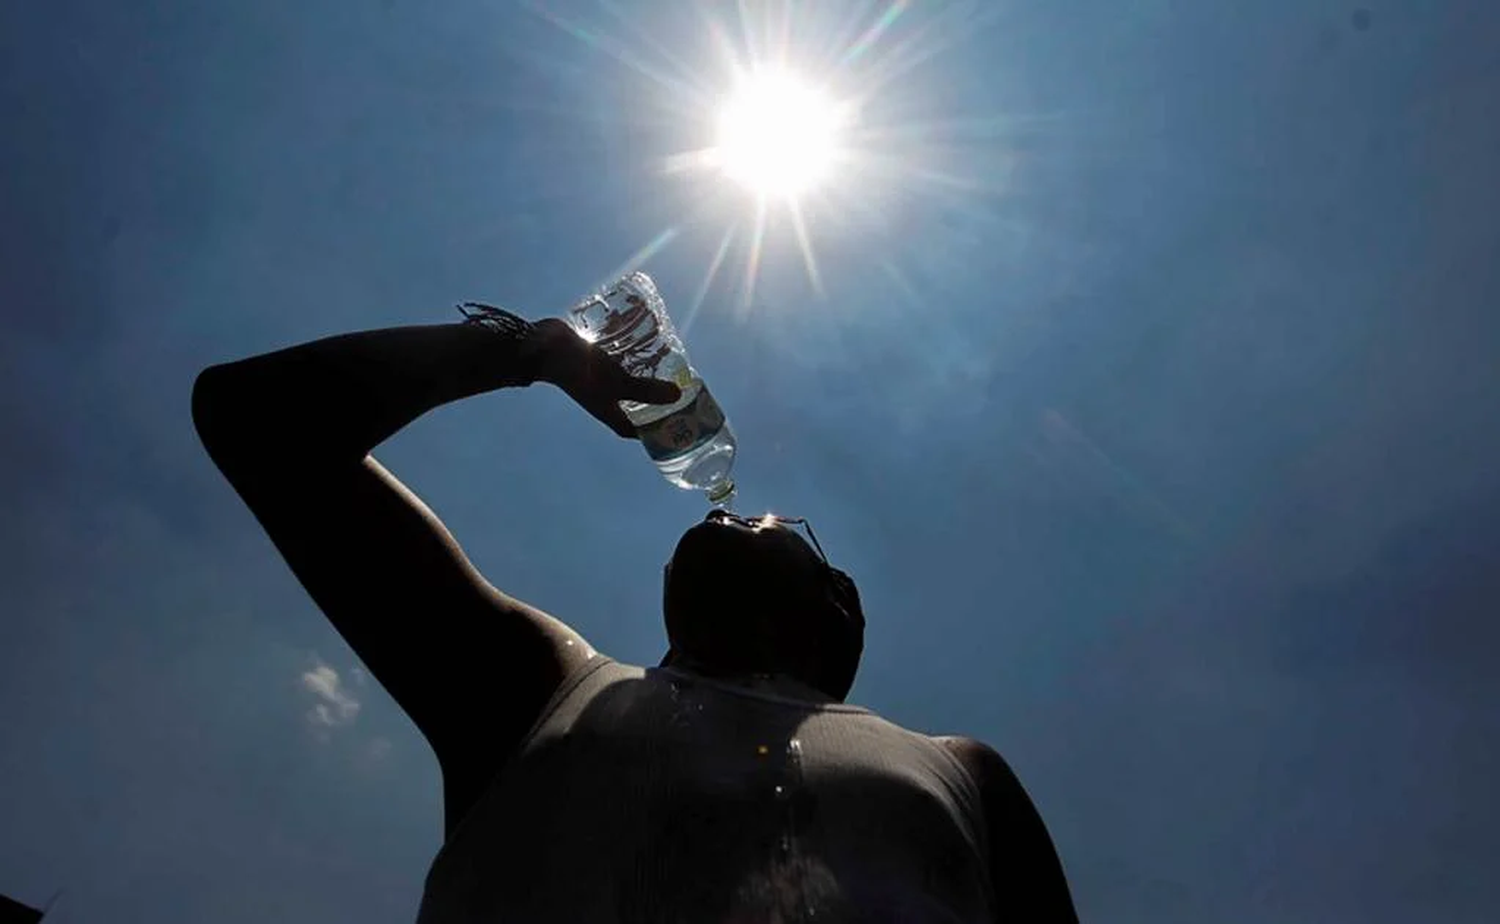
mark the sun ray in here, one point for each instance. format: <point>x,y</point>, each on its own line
<point>902,284</point>
<point>958,24</point>
<point>748,32</point>
<point>859,208</point>
<point>843,34</point>
<point>901,60</point>
<point>632,262</point>
<point>616,50</point>
<point>949,181</point>
<point>972,128</point>
<point>814,153</point>
<point>708,278</point>
<point>1080,457</point>
<point>804,244</point>
<point>692,161</point>
<point>752,259</point>
<point>901,57</point>
<point>784,31</point>
<point>728,52</point>
<point>867,40</point>
<point>903,168</point>
<point>665,237</point>
<point>643,35</point>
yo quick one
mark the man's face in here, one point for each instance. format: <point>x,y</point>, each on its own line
<point>754,595</point>
<point>743,575</point>
<point>737,549</point>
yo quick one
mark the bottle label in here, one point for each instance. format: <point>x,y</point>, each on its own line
<point>685,430</point>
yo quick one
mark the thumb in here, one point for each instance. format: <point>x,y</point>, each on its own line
<point>649,391</point>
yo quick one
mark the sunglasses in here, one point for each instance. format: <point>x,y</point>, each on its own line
<point>719,514</point>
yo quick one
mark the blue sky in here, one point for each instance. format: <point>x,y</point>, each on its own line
<point>1149,395</point>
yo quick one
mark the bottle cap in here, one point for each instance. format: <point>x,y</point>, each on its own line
<point>722,493</point>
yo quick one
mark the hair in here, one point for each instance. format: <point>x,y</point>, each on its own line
<point>738,602</point>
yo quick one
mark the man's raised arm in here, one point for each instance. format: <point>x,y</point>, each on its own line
<point>292,431</point>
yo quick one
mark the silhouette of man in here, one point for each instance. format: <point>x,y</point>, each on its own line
<point>731,783</point>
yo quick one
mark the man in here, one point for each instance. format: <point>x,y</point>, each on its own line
<point>729,784</point>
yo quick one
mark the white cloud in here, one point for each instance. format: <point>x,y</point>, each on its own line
<point>336,706</point>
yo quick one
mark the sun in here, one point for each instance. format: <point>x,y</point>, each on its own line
<point>778,135</point>
<point>797,122</point>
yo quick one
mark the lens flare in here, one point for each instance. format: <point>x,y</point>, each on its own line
<point>805,120</point>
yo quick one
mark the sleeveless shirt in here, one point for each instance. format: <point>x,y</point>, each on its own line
<point>653,796</point>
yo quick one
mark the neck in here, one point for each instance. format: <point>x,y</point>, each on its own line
<point>780,684</point>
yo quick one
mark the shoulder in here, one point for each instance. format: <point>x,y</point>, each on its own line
<point>1000,789</point>
<point>1026,872</point>
<point>983,762</point>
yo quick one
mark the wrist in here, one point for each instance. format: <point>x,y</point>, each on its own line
<point>545,348</point>
<point>515,349</point>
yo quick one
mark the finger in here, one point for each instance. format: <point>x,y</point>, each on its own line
<point>610,414</point>
<point>649,391</point>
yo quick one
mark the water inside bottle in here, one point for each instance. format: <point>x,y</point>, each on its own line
<point>689,441</point>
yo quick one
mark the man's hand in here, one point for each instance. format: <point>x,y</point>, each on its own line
<point>593,378</point>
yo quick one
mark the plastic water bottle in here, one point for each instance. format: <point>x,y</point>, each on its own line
<point>690,441</point>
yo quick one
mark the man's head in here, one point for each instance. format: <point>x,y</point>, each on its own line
<point>753,597</point>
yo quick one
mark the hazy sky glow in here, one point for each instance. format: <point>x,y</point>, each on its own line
<point>1136,359</point>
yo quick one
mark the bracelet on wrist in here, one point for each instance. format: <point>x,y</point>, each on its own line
<point>496,320</point>
<point>509,325</point>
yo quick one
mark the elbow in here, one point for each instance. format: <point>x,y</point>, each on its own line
<point>209,390</point>
<point>220,413</point>
<point>246,424</point>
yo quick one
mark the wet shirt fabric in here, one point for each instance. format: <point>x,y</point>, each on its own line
<point>651,795</point>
